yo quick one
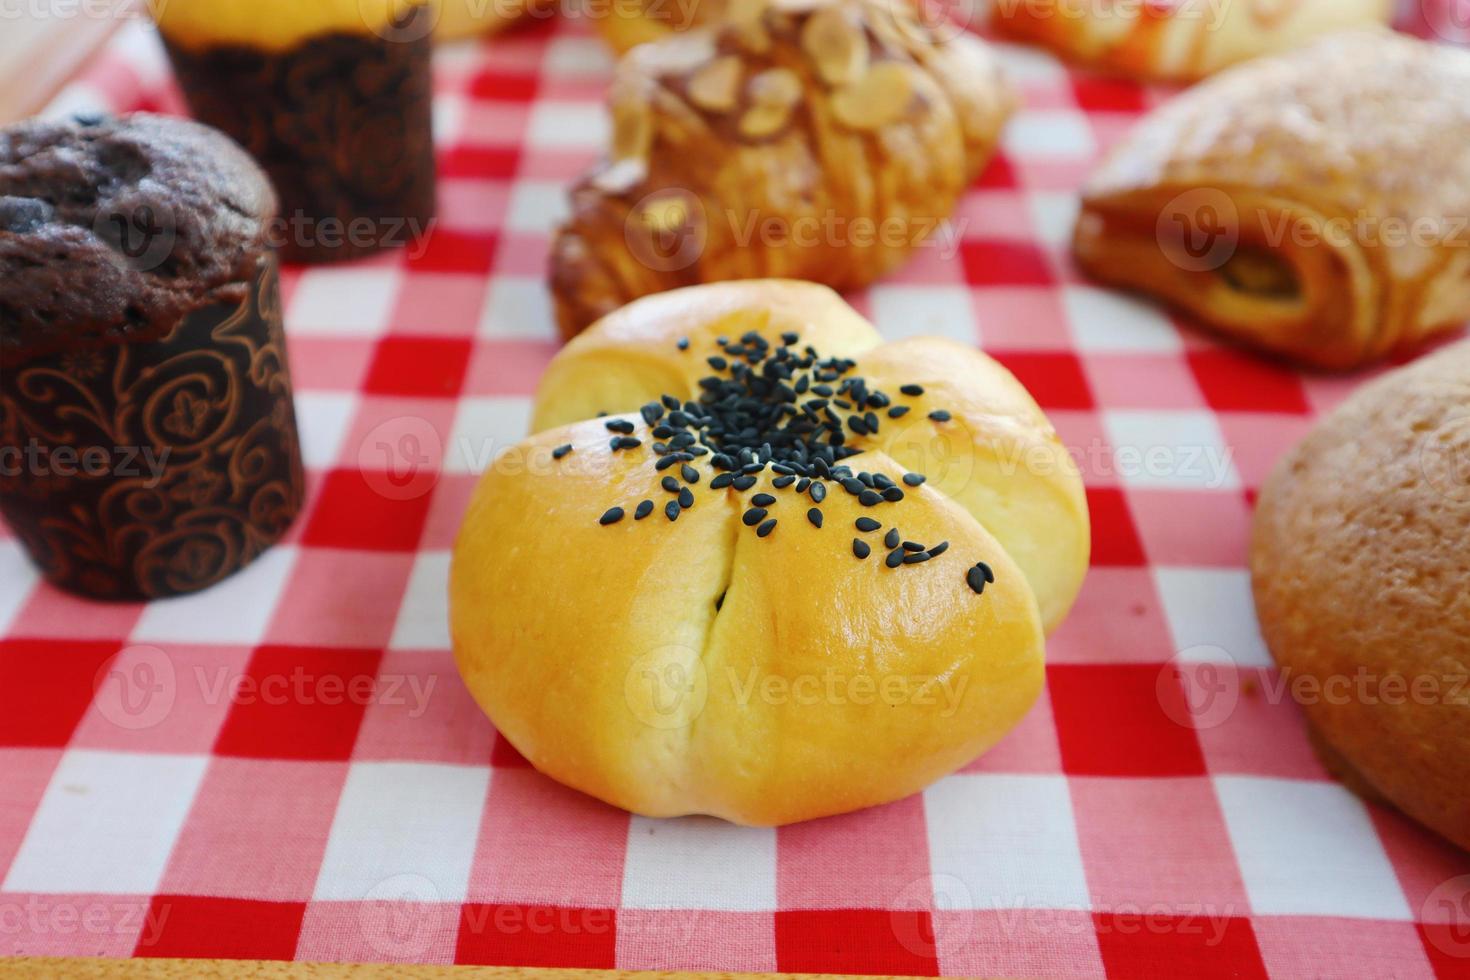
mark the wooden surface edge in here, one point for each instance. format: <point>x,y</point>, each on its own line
<point>173,969</point>
<point>39,55</point>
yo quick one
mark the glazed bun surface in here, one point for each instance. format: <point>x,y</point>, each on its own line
<point>1360,566</point>
<point>764,674</point>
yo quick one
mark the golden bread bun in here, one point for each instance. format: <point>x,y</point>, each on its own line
<point>1360,563</point>
<point>823,141</point>
<point>1179,42</point>
<point>1313,205</point>
<point>763,673</point>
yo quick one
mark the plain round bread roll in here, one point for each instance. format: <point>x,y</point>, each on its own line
<point>723,649</point>
<point>1361,565</point>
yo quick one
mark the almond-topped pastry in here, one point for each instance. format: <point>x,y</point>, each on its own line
<point>821,141</point>
<point>1360,567</point>
<point>796,572</point>
<point>1315,205</point>
<point>1178,40</point>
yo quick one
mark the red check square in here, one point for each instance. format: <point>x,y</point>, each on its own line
<point>1055,380</point>
<point>45,687</point>
<point>1119,720</point>
<point>871,941</point>
<point>1096,93</point>
<point>504,86</point>
<point>351,514</point>
<point>1115,539</point>
<point>480,162</point>
<point>418,367</point>
<point>1196,946</point>
<point>538,935</point>
<point>1233,381</point>
<point>299,703</point>
<point>447,250</point>
<point>1005,263</point>
<point>195,927</point>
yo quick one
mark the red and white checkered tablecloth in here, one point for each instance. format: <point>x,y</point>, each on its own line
<point>287,766</point>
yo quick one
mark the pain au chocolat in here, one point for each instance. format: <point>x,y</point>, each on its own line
<point>796,572</point>
<point>1178,40</point>
<point>1314,205</point>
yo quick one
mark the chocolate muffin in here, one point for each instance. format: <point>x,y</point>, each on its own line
<point>148,443</point>
<point>333,98</point>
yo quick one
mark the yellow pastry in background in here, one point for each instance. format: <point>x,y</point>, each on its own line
<point>1315,205</point>
<point>795,573</point>
<point>1178,40</point>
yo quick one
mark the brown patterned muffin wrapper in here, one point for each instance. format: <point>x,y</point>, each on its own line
<point>150,469</point>
<point>342,123</point>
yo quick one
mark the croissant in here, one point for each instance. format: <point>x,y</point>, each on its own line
<point>821,142</point>
<point>1313,204</point>
<point>1179,41</point>
<point>811,573</point>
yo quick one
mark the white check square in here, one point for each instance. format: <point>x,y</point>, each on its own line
<point>483,429</point>
<point>919,311</point>
<point>518,308</point>
<point>1106,322</point>
<point>106,824</point>
<point>1170,450</point>
<point>236,611</point>
<point>700,863</point>
<point>423,619</point>
<point>1049,134</point>
<point>568,125</point>
<point>1005,841</point>
<point>353,302</point>
<point>323,418</point>
<point>1212,608</point>
<point>17,578</point>
<point>1308,848</point>
<point>537,207</point>
<point>400,821</point>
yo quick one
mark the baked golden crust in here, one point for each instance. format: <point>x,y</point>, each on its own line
<point>696,666</point>
<point>823,142</point>
<point>1314,204</point>
<point>1182,41</point>
<point>1360,570</point>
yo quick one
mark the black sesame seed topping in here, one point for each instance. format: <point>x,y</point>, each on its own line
<point>818,492</point>
<point>912,546</point>
<point>766,528</point>
<point>625,442</point>
<point>763,500</point>
<point>619,425</point>
<point>913,391</point>
<point>939,549</point>
<point>743,483</point>
<point>670,484</point>
<point>892,538</point>
<point>975,579</point>
<point>866,524</point>
<point>870,498</point>
<point>671,510</point>
<point>892,494</point>
<point>913,479</point>
<point>753,516</point>
<point>860,548</point>
<point>561,451</point>
<point>644,509</point>
<point>898,411</point>
<point>815,516</point>
<point>939,415</point>
<point>611,516</point>
<point>720,481</point>
<point>782,482</point>
<point>894,559</point>
<point>686,498</point>
<point>916,557</point>
<point>689,473</point>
